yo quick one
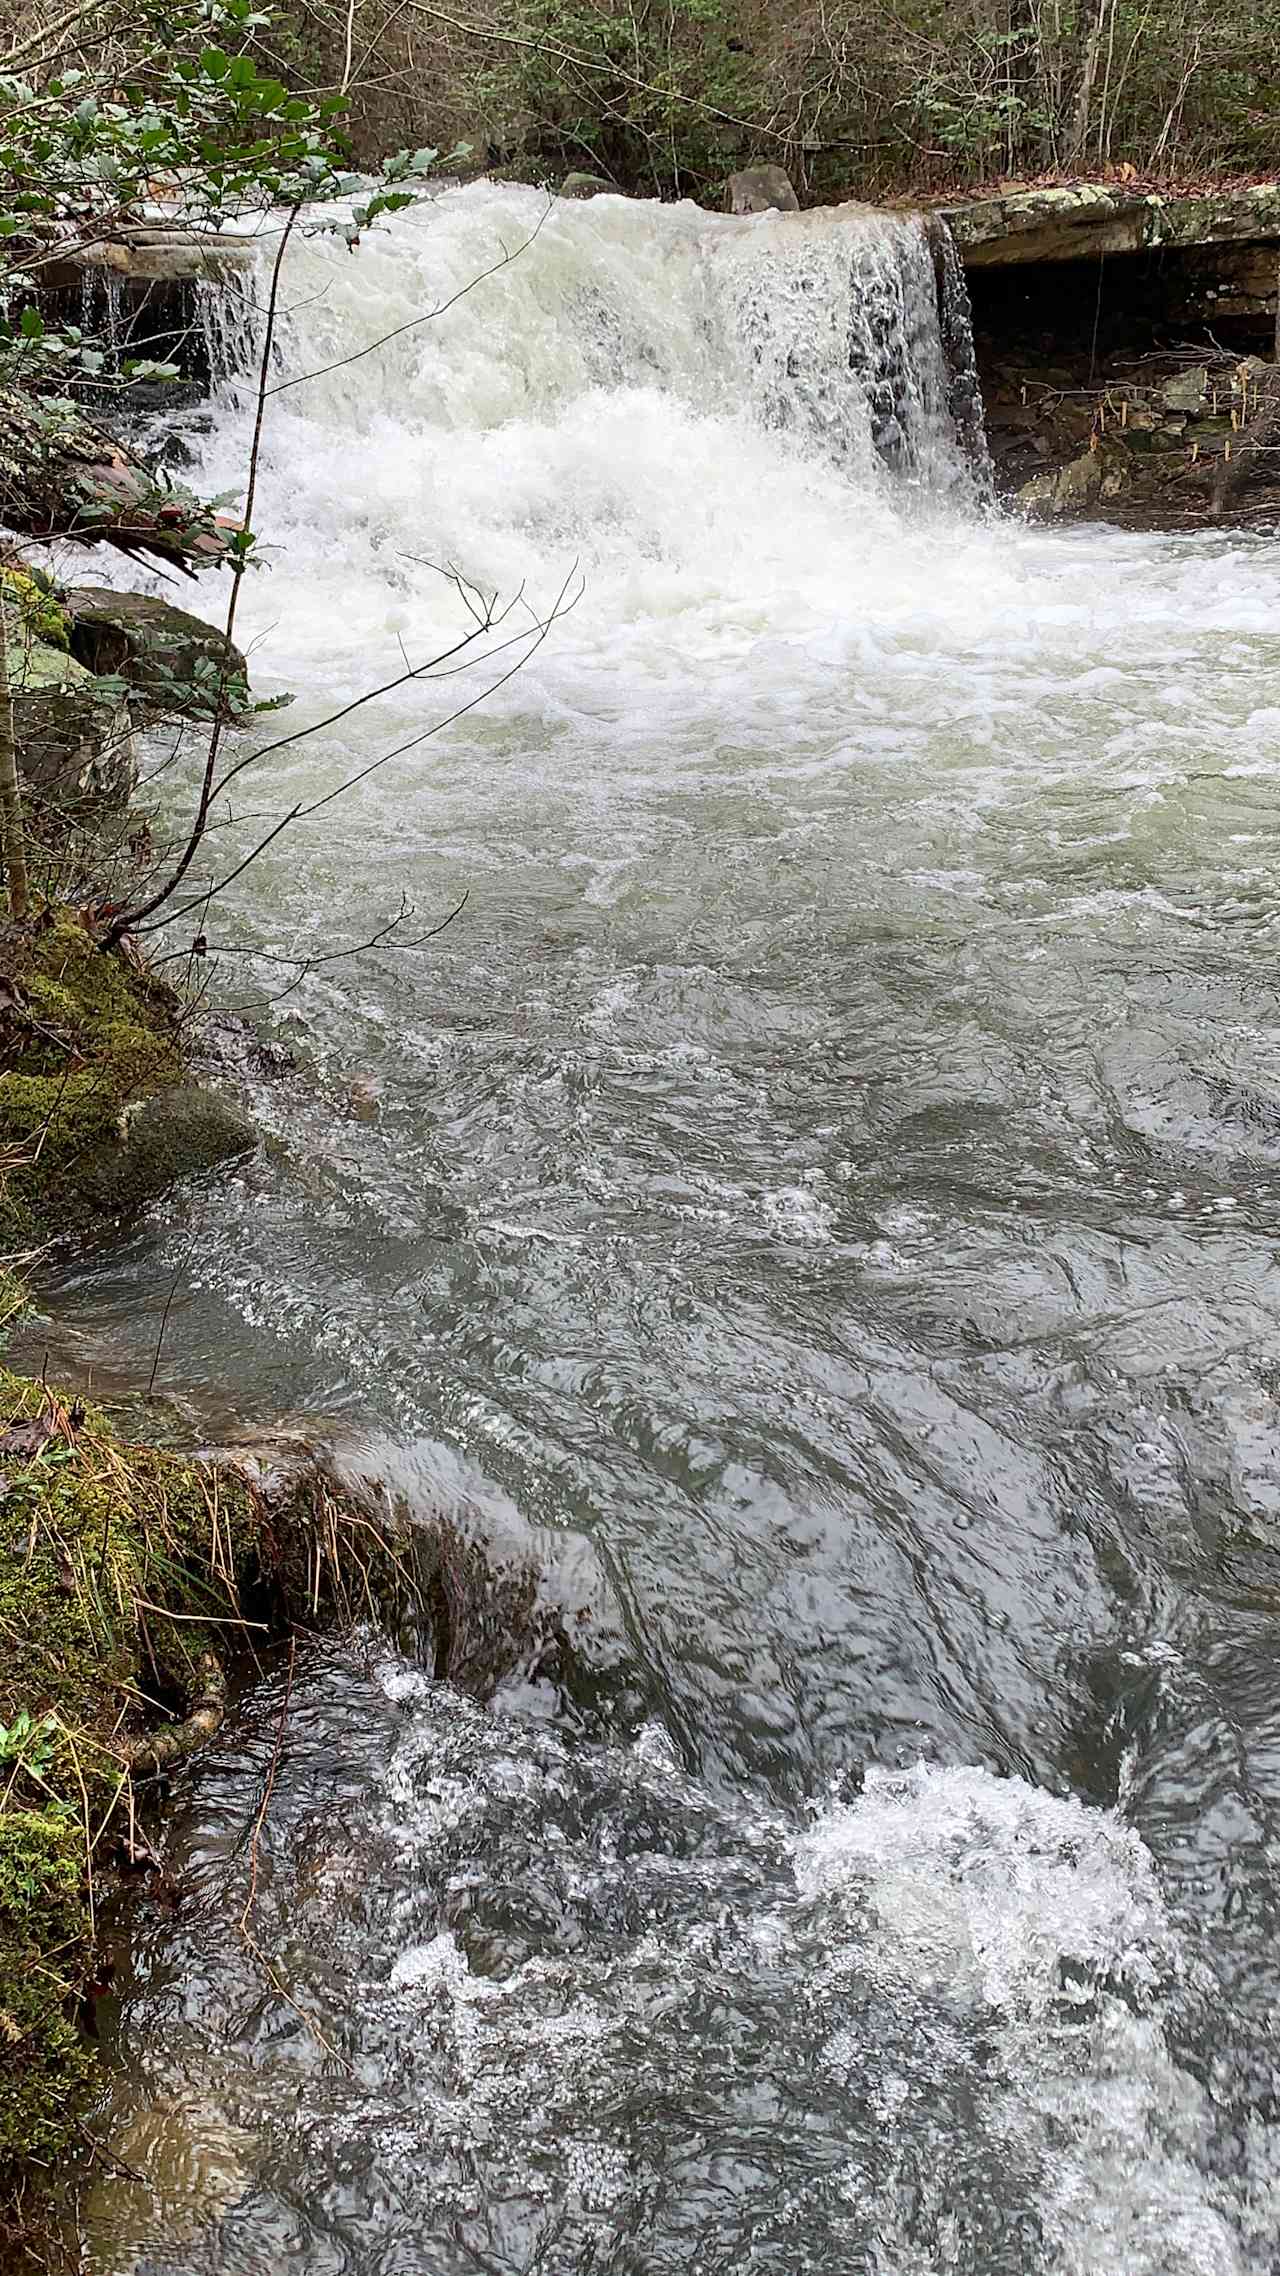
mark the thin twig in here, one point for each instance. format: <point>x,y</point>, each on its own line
<point>267,1791</point>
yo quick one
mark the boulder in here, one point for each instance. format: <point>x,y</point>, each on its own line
<point>1187,391</point>
<point>1067,492</point>
<point>1064,490</point>
<point>762,189</point>
<point>99,1113</point>
<point>74,737</point>
<point>158,1140</point>
<point>174,663</point>
<point>587,186</point>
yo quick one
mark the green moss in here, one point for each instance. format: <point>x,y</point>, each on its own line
<point>44,1949</point>
<point>37,606</point>
<point>93,1534</point>
<point>83,1036</point>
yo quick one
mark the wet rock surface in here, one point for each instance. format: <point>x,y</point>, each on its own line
<point>74,735</point>
<point>173,662</point>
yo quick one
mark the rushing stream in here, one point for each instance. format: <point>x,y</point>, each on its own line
<point>817,1203</point>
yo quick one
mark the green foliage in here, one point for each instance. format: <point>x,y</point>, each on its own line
<point>26,1744</point>
<point>645,112</point>
<point>44,1944</point>
<point>191,123</point>
<point>221,135</point>
<point>38,610</point>
<point>81,151</point>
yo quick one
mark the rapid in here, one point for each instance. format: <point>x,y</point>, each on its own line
<point>815,1206</point>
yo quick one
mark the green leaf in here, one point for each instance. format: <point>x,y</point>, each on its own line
<point>147,368</point>
<point>31,324</point>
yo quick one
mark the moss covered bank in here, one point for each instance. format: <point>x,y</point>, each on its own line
<point>129,1579</point>
<point>98,1112</point>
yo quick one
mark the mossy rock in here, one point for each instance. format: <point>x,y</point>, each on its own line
<point>87,1527</point>
<point>175,664</point>
<point>98,1115</point>
<point>73,733</point>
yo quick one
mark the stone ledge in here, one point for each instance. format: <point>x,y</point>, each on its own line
<point>150,254</point>
<point>1082,221</point>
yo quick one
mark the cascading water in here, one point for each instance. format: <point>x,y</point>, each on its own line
<point>816,1205</point>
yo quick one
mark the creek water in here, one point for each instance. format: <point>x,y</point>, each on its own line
<point>817,1205</point>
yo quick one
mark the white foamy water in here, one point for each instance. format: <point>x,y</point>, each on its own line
<point>730,441</point>
<point>547,2003</point>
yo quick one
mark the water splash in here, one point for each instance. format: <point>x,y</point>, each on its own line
<point>593,2013</point>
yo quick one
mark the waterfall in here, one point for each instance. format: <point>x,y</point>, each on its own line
<point>746,425</point>
<point>845,328</point>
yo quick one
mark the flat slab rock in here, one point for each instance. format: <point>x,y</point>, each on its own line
<point>1073,222</point>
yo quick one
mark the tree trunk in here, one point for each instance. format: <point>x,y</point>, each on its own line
<point>13,842</point>
<point>1084,94</point>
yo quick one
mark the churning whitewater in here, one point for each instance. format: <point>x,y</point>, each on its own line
<point>814,1208</point>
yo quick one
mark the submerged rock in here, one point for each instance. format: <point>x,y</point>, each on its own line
<point>172,661</point>
<point>156,1141</point>
<point>186,2149</point>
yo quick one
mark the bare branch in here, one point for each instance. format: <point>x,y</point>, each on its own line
<point>428,315</point>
